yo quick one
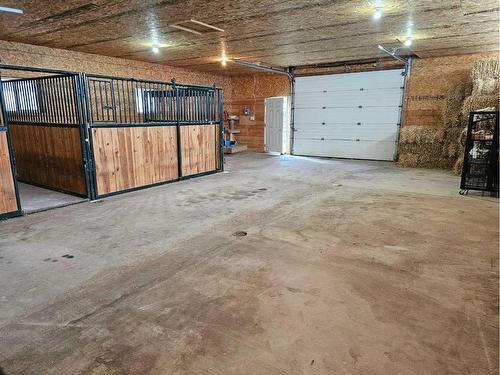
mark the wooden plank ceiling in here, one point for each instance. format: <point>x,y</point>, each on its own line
<point>274,32</point>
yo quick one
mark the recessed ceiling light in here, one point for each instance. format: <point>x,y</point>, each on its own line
<point>408,42</point>
<point>377,14</point>
<point>155,49</point>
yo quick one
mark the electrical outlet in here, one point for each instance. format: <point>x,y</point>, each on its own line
<point>252,118</point>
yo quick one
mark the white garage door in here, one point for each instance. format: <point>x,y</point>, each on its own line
<point>352,115</point>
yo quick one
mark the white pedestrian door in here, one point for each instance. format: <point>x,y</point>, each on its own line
<point>349,115</point>
<point>274,124</point>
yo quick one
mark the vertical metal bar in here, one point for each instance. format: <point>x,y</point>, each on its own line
<point>113,100</point>
<point>221,128</point>
<point>93,109</point>
<point>65,97</point>
<point>207,107</point>
<point>108,105</point>
<point>164,102</point>
<point>125,102</point>
<point>101,101</point>
<point>55,99</point>
<point>178,128</point>
<point>22,101</point>
<point>72,93</point>
<point>118,94</point>
<point>12,154</point>
<point>86,103</point>
<point>171,104</point>
<point>42,101</point>
<point>60,99</point>
<point>80,120</point>
<point>135,93</point>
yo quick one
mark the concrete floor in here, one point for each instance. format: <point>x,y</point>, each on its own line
<point>35,199</point>
<point>348,267</point>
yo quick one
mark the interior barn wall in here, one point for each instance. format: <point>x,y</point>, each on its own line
<point>49,156</point>
<point>250,91</point>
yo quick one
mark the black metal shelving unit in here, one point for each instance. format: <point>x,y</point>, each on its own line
<point>480,168</point>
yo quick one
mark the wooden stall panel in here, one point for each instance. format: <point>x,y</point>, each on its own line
<point>198,149</point>
<point>132,157</point>
<point>8,201</point>
<point>49,156</point>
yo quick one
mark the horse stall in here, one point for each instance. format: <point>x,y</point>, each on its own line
<point>43,123</point>
<point>87,136</point>
<point>145,133</point>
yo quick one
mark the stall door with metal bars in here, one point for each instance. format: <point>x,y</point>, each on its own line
<point>351,115</point>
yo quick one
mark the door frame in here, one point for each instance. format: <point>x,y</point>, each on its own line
<point>285,127</point>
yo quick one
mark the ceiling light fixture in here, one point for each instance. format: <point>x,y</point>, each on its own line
<point>377,14</point>
<point>408,42</point>
<point>223,62</point>
<point>155,49</point>
<point>11,10</point>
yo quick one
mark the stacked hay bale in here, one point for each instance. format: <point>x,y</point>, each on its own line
<point>454,121</point>
<point>421,146</point>
<point>484,96</point>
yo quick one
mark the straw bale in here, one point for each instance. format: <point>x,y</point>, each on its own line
<point>457,168</point>
<point>421,134</point>
<point>478,103</point>
<point>424,155</point>
<point>455,96</point>
<point>486,68</point>
<point>408,161</point>
<point>485,86</point>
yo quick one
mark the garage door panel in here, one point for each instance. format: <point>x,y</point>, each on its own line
<point>352,115</point>
<point>319,99</point>
<point>346,115</point>
<point>373,150</point>
<point>371,132</point>
<point>351,81</point>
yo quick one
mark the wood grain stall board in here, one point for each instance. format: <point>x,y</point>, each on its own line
<point>132,157</point>
<point>49,156</point>
<point>198,149</point>
<point>8,201</point>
